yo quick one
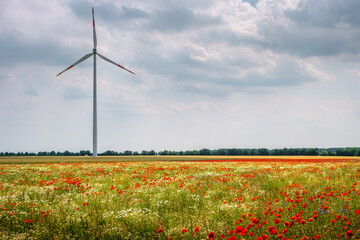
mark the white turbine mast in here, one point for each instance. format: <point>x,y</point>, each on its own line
<point>94,53</point>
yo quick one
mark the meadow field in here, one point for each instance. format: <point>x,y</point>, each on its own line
<point>180,197</point>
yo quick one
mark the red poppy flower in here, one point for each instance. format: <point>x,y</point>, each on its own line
<point>160,230</point>
<point>277,221</point>
<point>265,237</point>
<point>349,233</point>
<point>211,235</point>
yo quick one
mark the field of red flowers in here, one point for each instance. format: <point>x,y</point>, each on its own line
<point>232,199</point>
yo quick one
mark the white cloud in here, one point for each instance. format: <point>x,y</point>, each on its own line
<point>354,72</point>
<point>208,74</point>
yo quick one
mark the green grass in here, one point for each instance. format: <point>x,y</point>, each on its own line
<point>133,199</point>
<point>72,159</point>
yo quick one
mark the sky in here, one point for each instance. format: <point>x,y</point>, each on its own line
<point>209,74</point>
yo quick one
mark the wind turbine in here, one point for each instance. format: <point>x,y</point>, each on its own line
<point>94,53</point>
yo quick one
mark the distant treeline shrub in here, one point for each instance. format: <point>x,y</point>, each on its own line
<point>351,151</point>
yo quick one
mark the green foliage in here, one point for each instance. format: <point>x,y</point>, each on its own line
<point>133,200</point>
<point>351,151</point>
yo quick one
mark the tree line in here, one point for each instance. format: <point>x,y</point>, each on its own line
<point>350,151</point>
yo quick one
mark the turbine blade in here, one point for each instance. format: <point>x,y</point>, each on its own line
<point>94,32</point>
<point>79,61</point>
<point>106,59</point>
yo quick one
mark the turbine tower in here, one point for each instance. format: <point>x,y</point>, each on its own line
<point>94,53</point>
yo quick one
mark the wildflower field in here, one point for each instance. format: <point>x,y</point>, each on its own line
<point>279,198</point>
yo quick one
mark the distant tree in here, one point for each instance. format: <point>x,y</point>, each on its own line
<point>293,151</point>
<point>192,152</point>
<point>323,153</point>
<point>127,153</point>
<point>244,152</point>
<point>204,152</point>
<point>221,152</point>
<point>110,153</point>
<point>254,152</point>
<point>43,154</point>
<point>357,152</point>
<point>165,152</point>
<point>311,152</point>
<point>67,153</point>
<point>233,152</point>
<point>285,152</point>
<point>173,153</point>
<point>214,152</point>
<point>263,152</point>
<point>331,153</point>
<point>302,151</point>
<point>340,152</point>
<point>350,151</point>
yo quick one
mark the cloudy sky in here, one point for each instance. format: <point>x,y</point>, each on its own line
<point>246,74</point>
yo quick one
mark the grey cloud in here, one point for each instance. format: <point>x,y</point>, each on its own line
<point>209,90</point>
<point>31,92</point>
<point>75,93</point>
<point>227,36</point>
<point>113,14</point>
<point>317,29</point>
<point>217,78</point>
<point>16,49</point>
<point>181,19</point>
<point>187,3</point>
<point>311,42</point>
<point>327,14</point>
<point>3,76</point>
<point>285,73</point>
<point>108,11</point>
<point>82,8</point>
<point>133,13</point>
